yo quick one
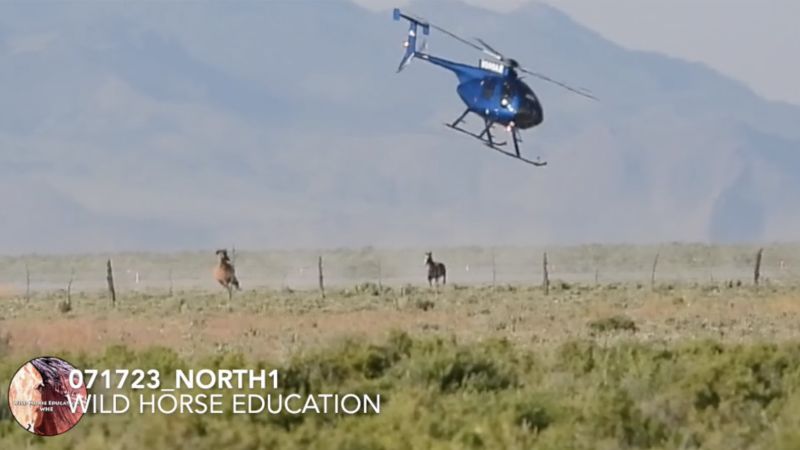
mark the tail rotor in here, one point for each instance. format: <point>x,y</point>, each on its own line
<point>411,42</point>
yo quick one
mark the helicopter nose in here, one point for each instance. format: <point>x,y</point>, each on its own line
<point>529,115</point>
<point>537,116</point>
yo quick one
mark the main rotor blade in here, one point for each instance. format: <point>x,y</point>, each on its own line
<point>449,33</point>
<point>484,47</point>
<point>490,50</point>
<point>580,91</point>
<point>458,38</point>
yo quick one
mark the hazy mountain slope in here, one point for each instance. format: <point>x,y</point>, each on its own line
<point>283,124</point>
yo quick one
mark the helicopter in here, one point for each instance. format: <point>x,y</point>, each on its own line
<point>493,90</point>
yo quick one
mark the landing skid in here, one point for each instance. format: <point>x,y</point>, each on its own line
<point>476,136</point>
<point>496,145</point>
<point>537,163</point>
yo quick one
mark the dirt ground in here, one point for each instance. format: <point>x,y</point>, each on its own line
<point>274,324</point>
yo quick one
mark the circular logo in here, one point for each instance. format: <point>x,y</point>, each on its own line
<point>42,399</point>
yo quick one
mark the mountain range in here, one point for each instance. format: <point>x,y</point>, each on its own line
<point>187,125</point>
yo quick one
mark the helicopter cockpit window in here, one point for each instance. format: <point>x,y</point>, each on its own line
<point>528,93</point>
<point>488,88</point>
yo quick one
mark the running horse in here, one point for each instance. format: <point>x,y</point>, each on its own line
<point>225,274</point>
<point>436,270</point>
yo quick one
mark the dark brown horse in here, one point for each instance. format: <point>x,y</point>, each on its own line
<point>225,274</point>
<point>436,270</point>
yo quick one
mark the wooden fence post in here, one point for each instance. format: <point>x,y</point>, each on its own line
<point>110,281</point>
<point>321,277</point>
<point>170,282</point>
<point>494,270</point>
<point>69,288</point>
<point>757,270</point>
<point>380,276</point>
<point>546,279</point>
<point>653,273</point>
<point>65,306</point>
<point>27,283</point>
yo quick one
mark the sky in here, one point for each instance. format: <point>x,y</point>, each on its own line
<point>172,125</point>
<point>752,41</point>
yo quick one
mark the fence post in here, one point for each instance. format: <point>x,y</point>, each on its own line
<point>110,281</point>
<point>170,282</point>
<point>27,283</point>
<point>546,280</point>
<point>757,270</point>
<point>380,276</point>
<point>69,288</point>
<point>494,270</point>
<point>321,277</point>
<point>653,273</point>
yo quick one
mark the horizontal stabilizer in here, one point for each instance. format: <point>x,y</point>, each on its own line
<point>426,28</point>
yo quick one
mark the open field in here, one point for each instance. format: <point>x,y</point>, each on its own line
<point>276,324</point>
<point>690,362</point>
<point>343,268</point>
<point>506,367</point>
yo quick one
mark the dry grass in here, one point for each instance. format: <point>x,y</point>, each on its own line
<point>273,324</point>
<point>607,366</point>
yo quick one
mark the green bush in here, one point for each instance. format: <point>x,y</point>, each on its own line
<point>439,393</point>
<point>613,323</point>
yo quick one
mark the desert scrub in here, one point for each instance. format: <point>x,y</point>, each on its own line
<point>424,304</point>
<point>441,393</point>
<point>449,367</point>
<point>613,323</point>
<point>373,289</point>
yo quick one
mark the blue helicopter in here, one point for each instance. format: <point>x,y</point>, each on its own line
<point>492,90</point>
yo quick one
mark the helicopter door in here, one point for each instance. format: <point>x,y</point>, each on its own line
<point>488,88</point>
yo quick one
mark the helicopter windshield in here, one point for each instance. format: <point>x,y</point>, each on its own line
<point>530,111</point>
<point>528,93</point>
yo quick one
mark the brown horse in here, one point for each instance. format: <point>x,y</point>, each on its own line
<point>225,274</point>
<point>436,270</point>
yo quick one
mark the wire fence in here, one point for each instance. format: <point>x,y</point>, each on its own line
<point>676,263</point>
